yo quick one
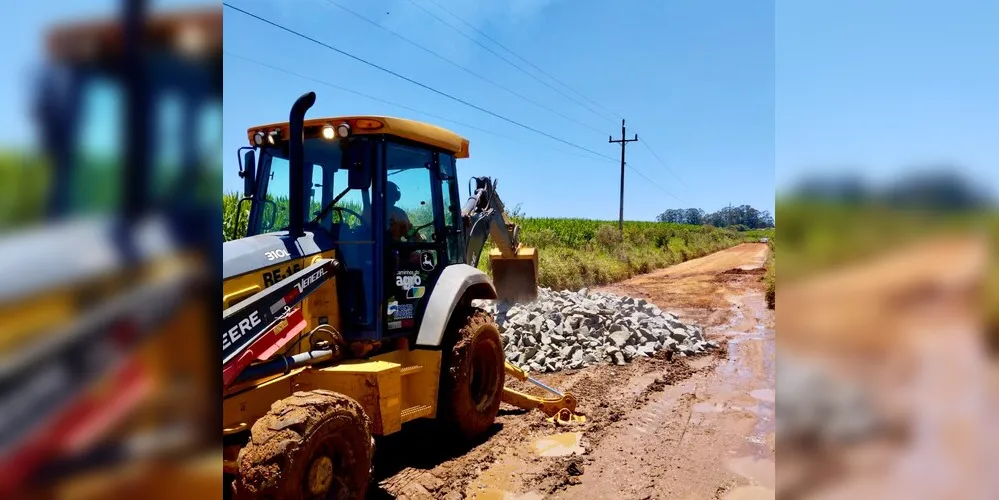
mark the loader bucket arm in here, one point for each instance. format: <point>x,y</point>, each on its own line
<point>559,409</point>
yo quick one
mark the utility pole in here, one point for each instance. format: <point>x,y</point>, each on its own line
<point>624,142</point>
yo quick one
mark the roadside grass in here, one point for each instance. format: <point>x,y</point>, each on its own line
<point>760,233</point>
<point>770,278</point>
<point>577,253</point>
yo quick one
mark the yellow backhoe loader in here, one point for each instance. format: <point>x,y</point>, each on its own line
<point>348,303</point>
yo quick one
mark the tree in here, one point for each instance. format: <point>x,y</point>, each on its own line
<point>693,216</point>
<point>674,215</point>
<point>766,220</point>
<point>744,216</point>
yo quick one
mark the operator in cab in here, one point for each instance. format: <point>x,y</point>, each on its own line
<point>400,228</point>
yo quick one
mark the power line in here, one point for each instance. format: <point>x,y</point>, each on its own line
<point>466,69</point>
<point>493,52</point>
<point>361,94</point>
<point>639,172</point>
<point>432,115</point>
<point>392,103</point>
<point>645,143</point>
<point>543,72</point>
<point>410,80</point>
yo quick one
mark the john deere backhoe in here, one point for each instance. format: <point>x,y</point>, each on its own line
<point>348,304</point>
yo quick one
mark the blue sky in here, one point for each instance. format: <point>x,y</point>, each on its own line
<point>882,86</point>
<point>735,96</point>
<point>25,29</point>
<point>694,79</point>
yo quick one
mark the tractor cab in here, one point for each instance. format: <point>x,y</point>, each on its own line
<point>377,194</point>
<point>100,93</point>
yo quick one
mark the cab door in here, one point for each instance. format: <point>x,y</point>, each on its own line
<point>414,236</point>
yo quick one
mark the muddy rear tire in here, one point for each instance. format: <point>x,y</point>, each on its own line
<point>472,375</point>
<point>314,444</point>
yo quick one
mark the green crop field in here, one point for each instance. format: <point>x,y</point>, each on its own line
<point>574,253</point>
<point>22,188</point>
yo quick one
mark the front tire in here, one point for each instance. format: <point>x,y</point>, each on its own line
<point>473,374</point>
<point>310,445</point>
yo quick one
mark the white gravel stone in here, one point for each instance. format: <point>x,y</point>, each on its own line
<point>566,329</point>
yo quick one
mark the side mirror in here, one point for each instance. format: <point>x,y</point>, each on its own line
<point>446,168</point>
<point>247,170</point>
<point>440,174</point>
<point>358,167</point>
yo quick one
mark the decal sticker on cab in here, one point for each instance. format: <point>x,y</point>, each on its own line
<point>272,277</point>
<point>406,280</point>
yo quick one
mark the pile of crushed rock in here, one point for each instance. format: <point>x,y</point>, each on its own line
<point>569,330</point>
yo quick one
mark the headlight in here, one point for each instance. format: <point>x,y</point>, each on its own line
<point>329,133</point>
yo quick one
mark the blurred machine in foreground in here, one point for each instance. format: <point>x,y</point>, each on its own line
<point>105,360</point>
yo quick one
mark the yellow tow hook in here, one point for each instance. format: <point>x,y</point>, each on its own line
<point>560,410</point>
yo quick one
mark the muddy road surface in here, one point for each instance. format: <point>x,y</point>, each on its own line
<point>901,332</point>
<point>662,427</point>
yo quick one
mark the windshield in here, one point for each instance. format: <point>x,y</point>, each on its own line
<point>83,134</point>
<point>342,213</point>
<point>94,186</point>
<point>326,181</point>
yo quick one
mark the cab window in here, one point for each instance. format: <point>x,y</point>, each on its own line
<point>409,205</point>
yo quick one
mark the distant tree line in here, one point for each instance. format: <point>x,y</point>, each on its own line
<point>941,188</point>
<point>742,217</point>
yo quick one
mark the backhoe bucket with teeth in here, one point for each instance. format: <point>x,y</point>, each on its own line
<point>516,277</point>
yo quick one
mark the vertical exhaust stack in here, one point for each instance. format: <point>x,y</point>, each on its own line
<point>296,163</point>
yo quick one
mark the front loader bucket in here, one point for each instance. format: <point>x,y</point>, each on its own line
<point>515,278</point>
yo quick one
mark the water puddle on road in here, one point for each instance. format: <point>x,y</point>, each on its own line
<point>762,471</point>
<point>498,494</point>
<point>708,407</point>
<point>559,445</point>
<point>499,483</point>
<point>766,395</point>
<point>750,493</point>
<point>747,386</point>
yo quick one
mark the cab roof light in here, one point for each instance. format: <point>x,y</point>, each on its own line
<point>368,124</point>
<point>343,130</point>
<point>329,133</point>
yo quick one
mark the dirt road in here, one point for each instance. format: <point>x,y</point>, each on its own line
<point>657,428</point>
<point>904,330</point>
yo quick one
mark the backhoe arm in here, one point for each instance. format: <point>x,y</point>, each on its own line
<point>515,275</point>
<point>515,268</point>
<point>486,217</point>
